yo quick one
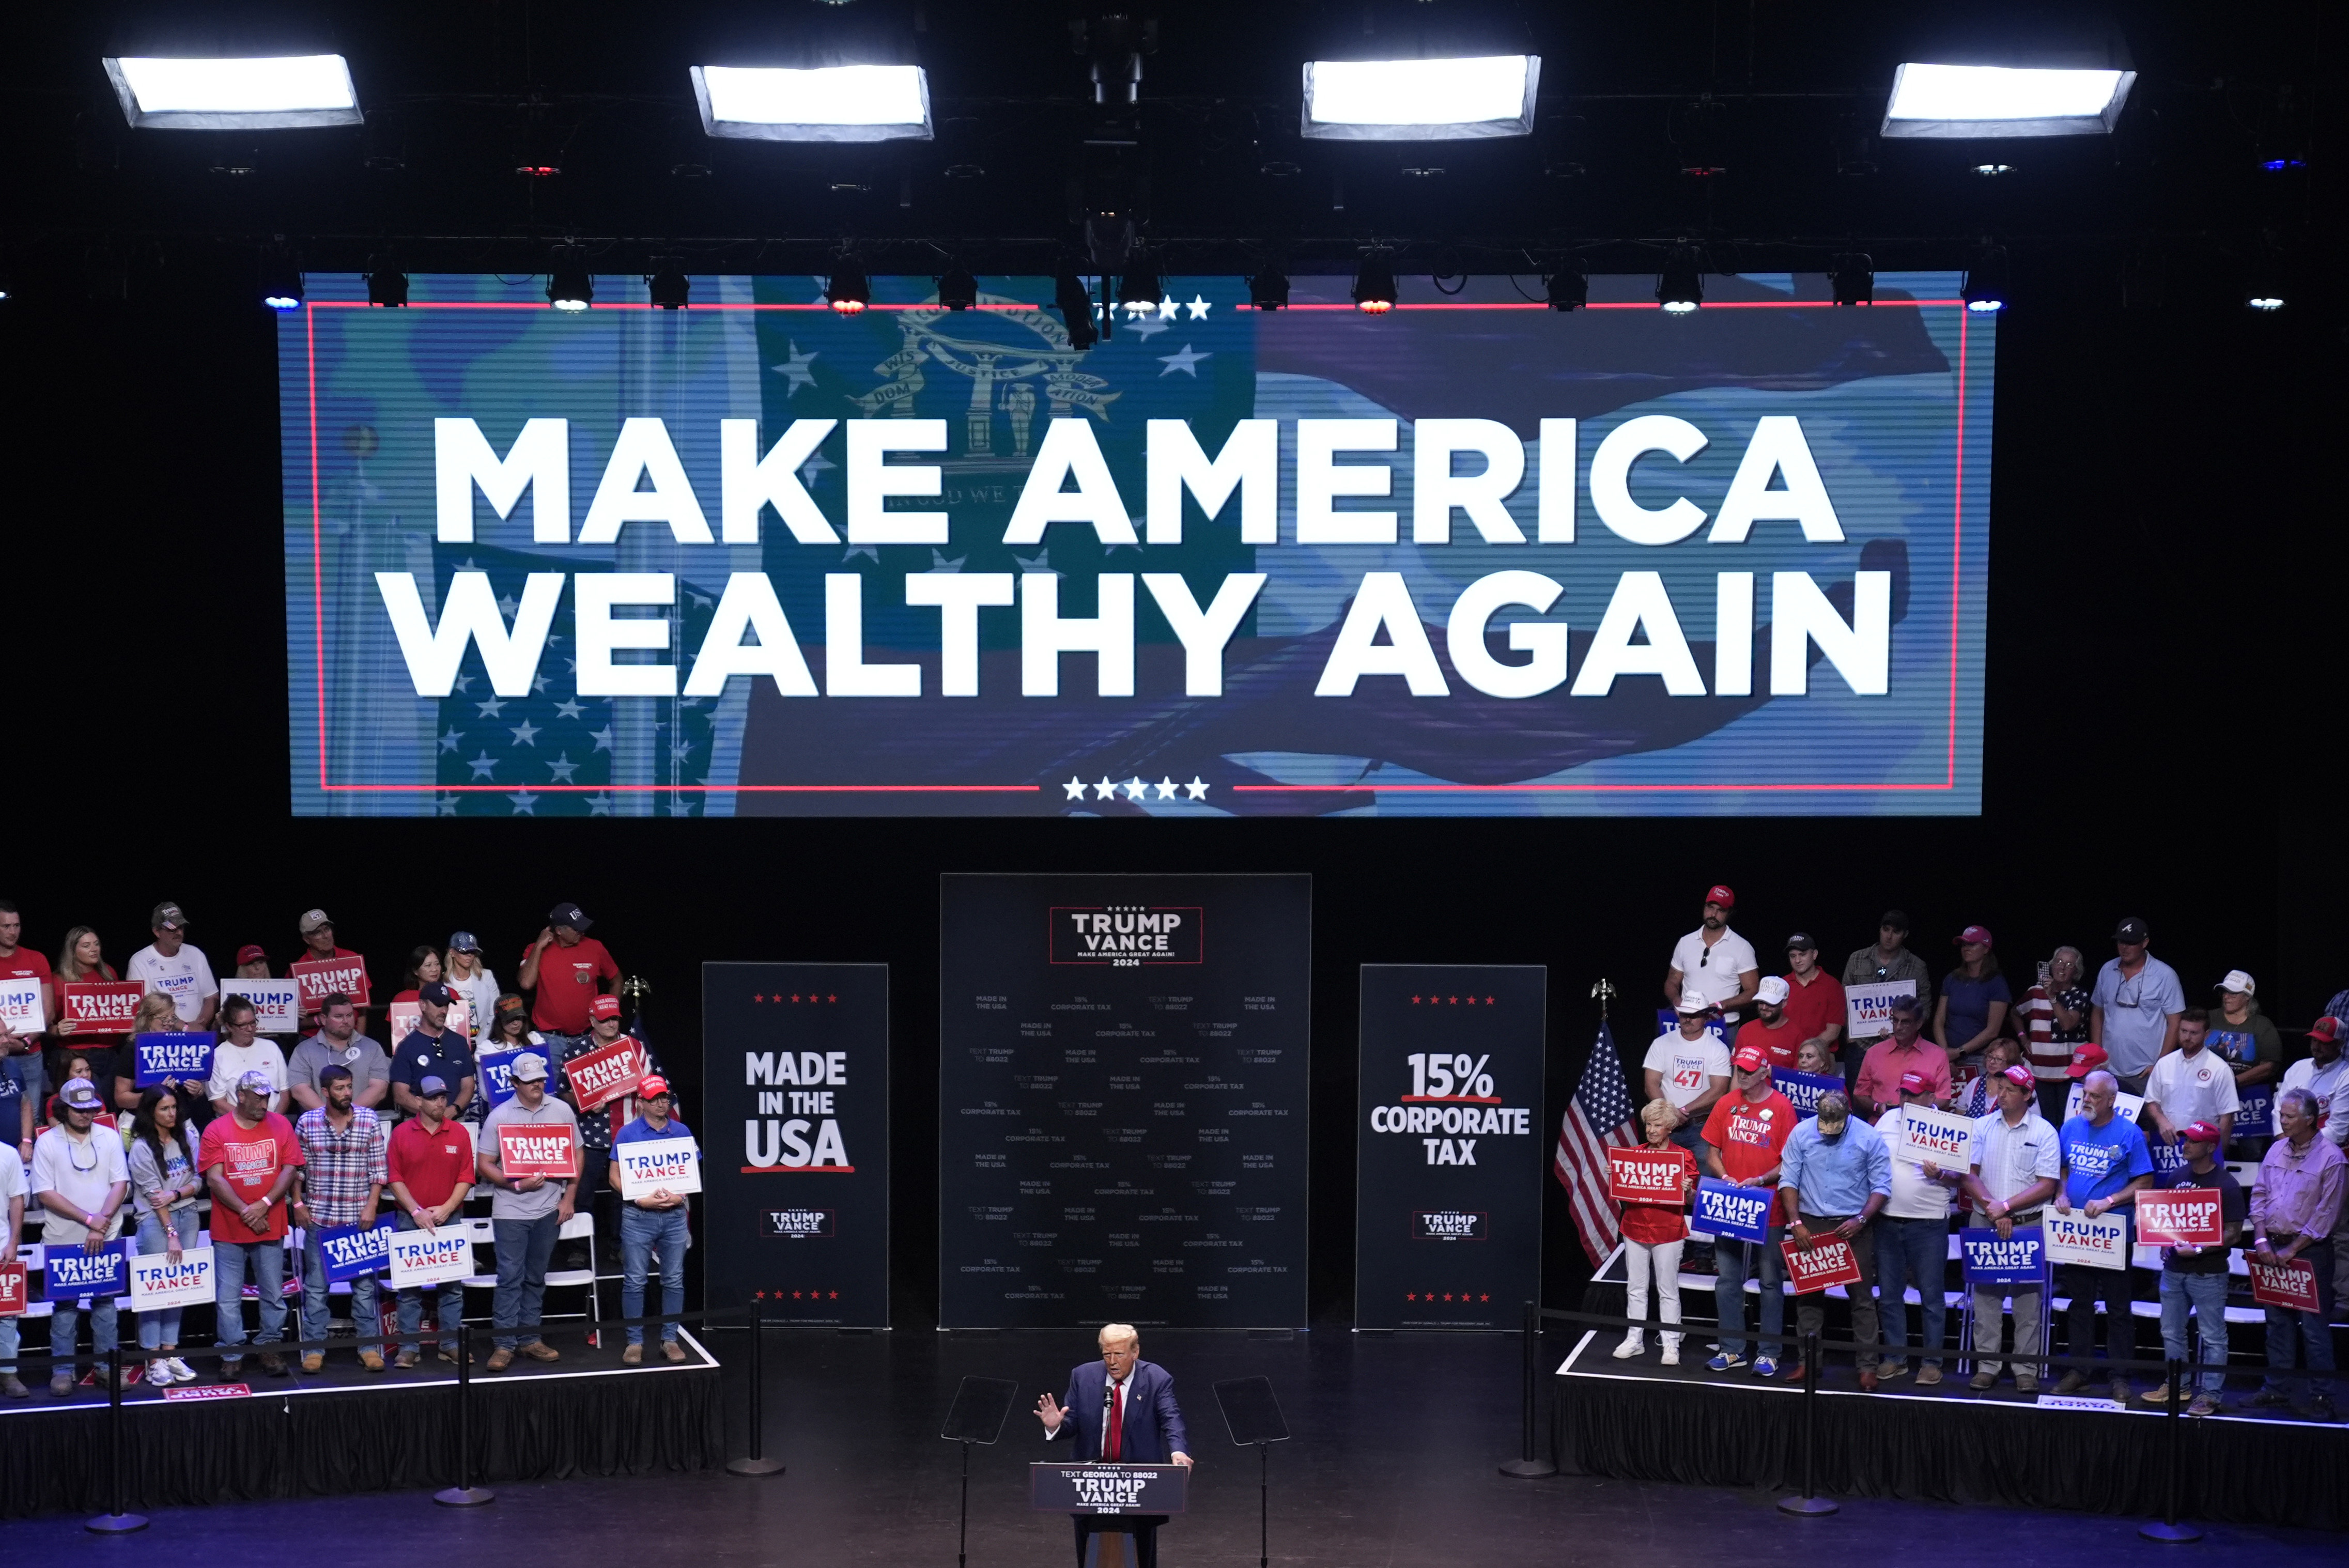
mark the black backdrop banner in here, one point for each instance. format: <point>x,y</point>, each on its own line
<point>1448,1192</point>
<point>795,1145</point>
<point>1122,1090</point>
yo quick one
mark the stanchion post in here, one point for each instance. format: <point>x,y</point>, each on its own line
<point>114,1522</point>
<point>2168,1528</point>
<point>464,1494</point>
<point>1528,1465</point>
<point>758,1464</point>
<point>1810,1504</point>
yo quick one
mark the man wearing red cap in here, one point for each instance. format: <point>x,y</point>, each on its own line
<point>1744,1137</point>
<point>1913,1246</point>
<point>2324,1074</point>
<point>2196,1277</point>
<point>2014,1162</point>
<point>1713,962</point>
<point>653,1222</point>
<point>596,1127</point>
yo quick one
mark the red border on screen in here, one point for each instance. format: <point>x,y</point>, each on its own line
<point>318,610</point>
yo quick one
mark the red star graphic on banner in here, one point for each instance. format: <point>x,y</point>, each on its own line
<point>795,996</point>
<point>833,998</point>
<point>758,998</point>
<point>1447,1295</point>
<point>835,1296</point>
<point>1414,1001</point>
<point>1455,1001</point>
<point>795,1295</point>
<point>1411,1296</point>
<point>1484,1298</point>
<point>758,1295</point>
<point>1488,1001</point>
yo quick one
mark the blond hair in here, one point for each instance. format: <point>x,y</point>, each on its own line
<point>1120,1333</point>
<point>1657,1113</point>
<point>154,1008</point>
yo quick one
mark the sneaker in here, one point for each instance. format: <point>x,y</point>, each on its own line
<point>2204,1405</point>
<point>159,1373</point>
<point>2072,1382</point>
<point>1984,1381</point>
<point>1670,1358</point>
<point>180,1371</point>
<point>1633,1344</point>
<point>1888,1370</point>
<point>1928,1375</point>
<point>2319,1408</point>
<point>2158,1394</point>
<point>2270,1399</point>
<point>1725,1362</point>
<point>1765,1367</point>
<point>2121,1390</point>
<point>672,1351</point>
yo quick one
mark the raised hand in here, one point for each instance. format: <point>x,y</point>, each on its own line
<point>1049,1411</point>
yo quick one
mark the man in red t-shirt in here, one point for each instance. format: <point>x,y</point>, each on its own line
<point>567,968</point>
<point>1770,1031</point>
<point>431,1163</point>
<point>317,928</point>
<point>1815,998</point>
<point>1744,1137</point>
<point>19,963</point>
<point>248,1158</point>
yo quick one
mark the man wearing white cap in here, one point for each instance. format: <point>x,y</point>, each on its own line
<point>1770,1031</point>
<point>1689,1069</point>
<point>248,1158</point>
<point>2246,1040</point>
<point>527,1214</point>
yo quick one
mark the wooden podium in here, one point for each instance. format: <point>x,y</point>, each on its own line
<point>1146,1494</point>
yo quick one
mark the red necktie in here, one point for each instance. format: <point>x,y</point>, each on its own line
<point>1116,1421</point>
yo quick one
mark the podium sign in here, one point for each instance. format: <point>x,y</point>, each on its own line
<point>1106,1489</point>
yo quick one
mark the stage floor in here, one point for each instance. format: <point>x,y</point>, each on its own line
<point>1393,1462</point>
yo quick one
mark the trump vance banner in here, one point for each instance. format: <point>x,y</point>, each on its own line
<point>1468,558</point>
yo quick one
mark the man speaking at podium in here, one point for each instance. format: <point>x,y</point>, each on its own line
<point>1120,1409</point>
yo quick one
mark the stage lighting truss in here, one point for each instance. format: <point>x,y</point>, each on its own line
<point>1853,276</point>
<point>1421,100</point>
<point>958,290</point>
<point>1374,285</point>
<point>387,286</point>
<point>1985,287</point>
<point>849,291</point>
<point>1268,290</point>
<point>277,93</point>
<point>1680,287</point>
<point>570,286</point>
<point>668,285</point>
<point>832,103</point>
<point>1960,102</point>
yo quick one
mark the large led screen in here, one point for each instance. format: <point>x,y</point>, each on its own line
<point>1471,557</point>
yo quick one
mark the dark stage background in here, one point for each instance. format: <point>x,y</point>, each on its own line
<point>2161,501</point>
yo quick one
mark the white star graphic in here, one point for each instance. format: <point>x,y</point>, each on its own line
<point>603,738</point>
<point>1166,309</point>
<point>681,750</point>
<point>817,463</point>
<point>524,804</point>
<point>507,605</point>
<point>568,710</point>
<point>1196,790</point>
<point>1104,790</point>
<point>525,733</point>
<point>1187,362</point>
<point>563,768</point>
<point>492,708</point>
<point>1135,789</point>
<point>468,566</point>
<point>1146,330</point>
<point>448,742</point>
<point>538,684</point>
<point>1167,788</point>
<point>796,373</point>
<point>700,601</point>
<point>856,549</point>
<point>444,805</point>
<point>1198,307</point>
<point>1076,789</point>
<point>600,804</point>
<point>1040,562</point>
<point>484,766</point>
<point>464,683</point>
<point>939,562</point>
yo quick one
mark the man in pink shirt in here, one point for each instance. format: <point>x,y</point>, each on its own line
<point>1877,1087</point>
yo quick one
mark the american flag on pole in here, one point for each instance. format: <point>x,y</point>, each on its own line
<point>1597,1119</point>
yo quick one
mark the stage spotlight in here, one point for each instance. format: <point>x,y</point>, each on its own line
<point>1074,301</point>
<point>569,284</point>
<point>1854,277</point>
<point>386,284</point>
<point>1985,287</point>
<point>1947,102</point>
<point>281,284</point>
<point>850,291</point>
<point>1566,289</point>
<point>1421,100</point>
<point>1374,287</point>
<point>833,103</point>
<point>666,283</point>
<point>958,290</point>
<point>1268,290</point>
<point>1141,284</point>
<point>234,94</point>
<point>1680,287</point>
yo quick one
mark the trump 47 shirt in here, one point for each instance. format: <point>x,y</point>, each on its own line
<point>249,1159</point>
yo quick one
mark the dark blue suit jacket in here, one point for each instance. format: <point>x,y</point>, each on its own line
<point>1152,1432</point>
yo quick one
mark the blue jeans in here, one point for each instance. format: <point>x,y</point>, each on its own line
<point>2207,1294</point>
<point>316,1317</point>
<point>161,1327</point>
<point>642,1230</point>
<point>1913,1251</point>
<point>449,1309</point>
<point>523,1246</point>
<point>2304,1337</point>
<point>7,1347</point>
<point>264,1262</point>
<point>1731,1259</point>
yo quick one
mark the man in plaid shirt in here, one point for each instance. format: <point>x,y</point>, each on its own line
<point>343,1174</point>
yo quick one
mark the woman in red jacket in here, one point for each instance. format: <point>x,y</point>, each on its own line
<point>1653,1237</point>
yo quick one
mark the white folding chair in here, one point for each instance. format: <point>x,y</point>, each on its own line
<point>581,1226</point>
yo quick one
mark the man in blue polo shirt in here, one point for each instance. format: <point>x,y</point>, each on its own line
<point>432,1049</point>
<point>654,1221</point>
<point>2106,1164</point>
